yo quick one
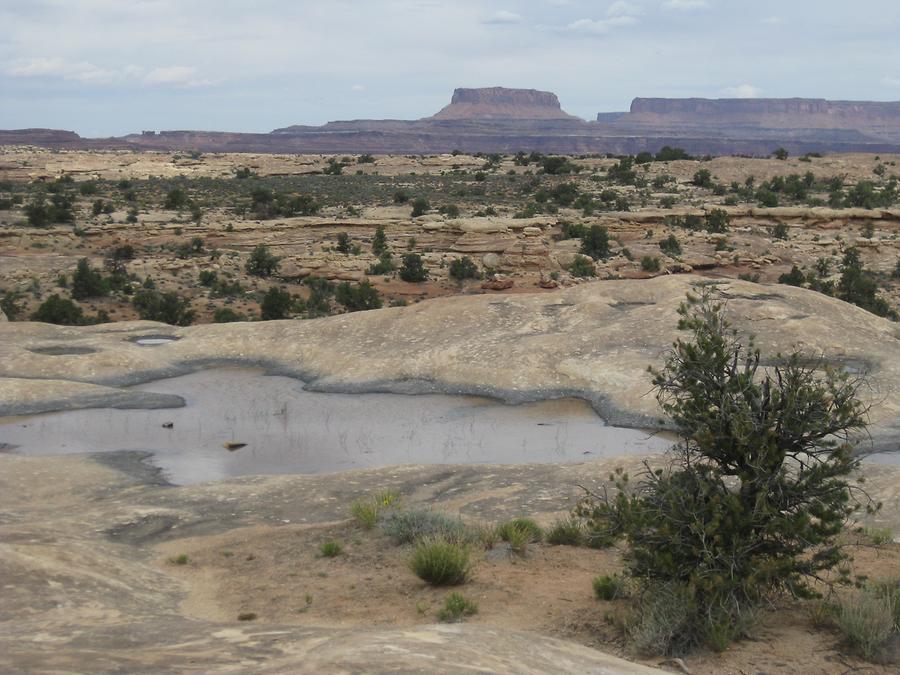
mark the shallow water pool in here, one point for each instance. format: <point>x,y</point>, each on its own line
<point>288,430</point>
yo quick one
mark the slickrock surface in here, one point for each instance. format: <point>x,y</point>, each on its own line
<point>592,341</point>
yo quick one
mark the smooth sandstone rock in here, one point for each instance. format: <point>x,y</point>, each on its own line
<point>594,341</point>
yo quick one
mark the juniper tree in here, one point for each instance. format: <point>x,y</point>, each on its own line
<point>756,490</point>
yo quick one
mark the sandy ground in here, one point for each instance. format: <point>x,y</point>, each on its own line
<point>278,575</point>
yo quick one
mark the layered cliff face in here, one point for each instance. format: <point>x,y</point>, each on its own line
<point>37,137</point>
<point>502,103</point>
<point>785,113</point>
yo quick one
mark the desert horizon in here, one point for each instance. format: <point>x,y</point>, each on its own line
<point>421,378</point>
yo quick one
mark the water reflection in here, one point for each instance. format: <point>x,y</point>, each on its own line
<point>288,430</point>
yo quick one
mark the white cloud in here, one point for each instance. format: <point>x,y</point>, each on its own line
<point>358,87</point>
<point>88,73</point>
<point>622,8</point>
<point>503,17</point>
<point>183,76</point>
<point>599,26</point>
<point>685,5</point>
<point>773,20</point>
<point>77,71</point>
<point>741,91</point>
<point>890,81</point>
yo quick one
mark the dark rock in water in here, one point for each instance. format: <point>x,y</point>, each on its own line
<point>168,425</point>
<point>231,447</point>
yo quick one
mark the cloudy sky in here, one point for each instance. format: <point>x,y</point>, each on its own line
<point>110,67</point>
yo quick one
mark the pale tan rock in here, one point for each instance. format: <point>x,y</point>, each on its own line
<point>473,242</point>
<point>598,348</point>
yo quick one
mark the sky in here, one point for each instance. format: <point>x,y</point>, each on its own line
<point>111,67</point>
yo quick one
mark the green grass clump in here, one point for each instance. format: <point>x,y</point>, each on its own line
<point>331,549</point>
<point>870,619</point>
<point>531,529</point>
<point>608,587</point>
<point>440,562</point>
<point>387,498</point>
<point>879,535</point>
<point>181,559</point>
<point>365,513</point>
<point>518,538</point>
<point>568,532</point>
<point>488,536</point>
<point>407,527</point>
<point>456,607</point>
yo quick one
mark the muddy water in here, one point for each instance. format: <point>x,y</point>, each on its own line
<point>289,430</point>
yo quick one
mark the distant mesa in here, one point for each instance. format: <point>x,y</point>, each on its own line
<point>871,117</point>
<point>500,119</point>
<point>501,103</point>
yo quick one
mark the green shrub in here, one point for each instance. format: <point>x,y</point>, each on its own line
<point>869,620</point>
<point>464,268</point>
<point>531,529</point>
<point>879,535</point>
<point>181,559</point>
<point>793,278</point>
<point>261,262</point>
<point>207,277</point>
<point>387,498</point>
<point>227,315</point>
<point>9,305</point>
<point>717,221</point>
<point>650,263</point>
<point>420,207</point>
<point>456,607</point>
<point>88,282</point>
<point>608,587</point>
<point>735,519</point>
<point>384,265</point>
<point>176,198</point>
<point>343,243</point>
<point>440,562</point>
<point>595,242</point>
<point>568,532</point>
<point>582,267</point>
<point>379,241</point>
<point>57,310</point>
<point>358,297</point>
<point>670,246</point>
<point>331,549</point>
<point>665,623</point>
<point>406,527</point>
<point>365,512</point>
<point>276,304</point>
<point>557,165</point>
<point>703,178</point>
<point>858,287</point>
<point>152,305</point>
<point>413,268</point>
